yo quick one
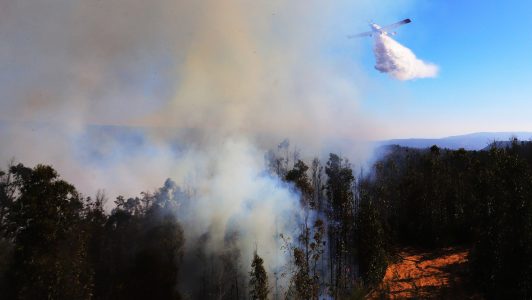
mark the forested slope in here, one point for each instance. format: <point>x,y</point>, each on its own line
<point>58,244</point>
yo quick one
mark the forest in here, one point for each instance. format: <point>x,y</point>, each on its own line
<point>59,244</point>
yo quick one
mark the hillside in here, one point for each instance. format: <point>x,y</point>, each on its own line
<point>472,141</point>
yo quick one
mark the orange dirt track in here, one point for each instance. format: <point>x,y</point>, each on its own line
<point>426,275</point>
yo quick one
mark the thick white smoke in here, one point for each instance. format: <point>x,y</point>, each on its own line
<point>229,193</point>
<point>399,61</point>
<point>122,94</point>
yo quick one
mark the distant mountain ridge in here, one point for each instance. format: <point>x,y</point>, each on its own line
<point>472,141</point>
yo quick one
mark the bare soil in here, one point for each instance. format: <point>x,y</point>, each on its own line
<point>418,274</point>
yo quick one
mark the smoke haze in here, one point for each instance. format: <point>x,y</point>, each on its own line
<point>399,61</point>
<point>202,71</point>
<point>120,95</point>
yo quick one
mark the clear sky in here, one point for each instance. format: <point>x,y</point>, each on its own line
<point>483,49</point>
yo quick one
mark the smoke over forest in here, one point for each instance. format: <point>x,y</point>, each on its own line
<point>121,95</point>
<point>182,76</point>
<point>218,150</point>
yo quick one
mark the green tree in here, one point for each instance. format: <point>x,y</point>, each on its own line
<point>141,249</point>
<point>6,241</point>
<point>501,257</point>
<point>50,244</point>
<point>341,218</point>
<point>306,276</point>
<point>298,176</point>
<point>258,282</point>
<point>371,244</point>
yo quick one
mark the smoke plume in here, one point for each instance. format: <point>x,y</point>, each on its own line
<point>399,61</point>
<point>122,94</point>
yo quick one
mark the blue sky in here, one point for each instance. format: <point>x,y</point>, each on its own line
<point>483,49</point>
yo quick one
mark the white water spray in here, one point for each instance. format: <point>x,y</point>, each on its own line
<point>399,61</point>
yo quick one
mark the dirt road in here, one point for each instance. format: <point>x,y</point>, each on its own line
<point>416,274</point>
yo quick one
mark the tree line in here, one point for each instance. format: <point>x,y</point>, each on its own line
<point>57,244</point>
<point>436,197</point>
